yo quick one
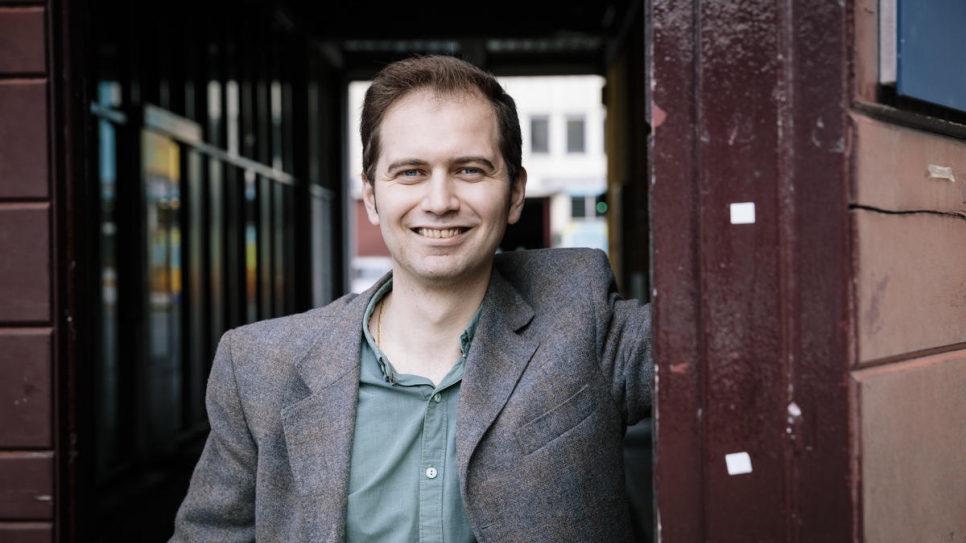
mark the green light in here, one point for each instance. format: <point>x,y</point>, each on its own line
<point>601,207</point>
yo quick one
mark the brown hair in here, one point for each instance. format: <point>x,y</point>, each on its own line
<point>444,75</point>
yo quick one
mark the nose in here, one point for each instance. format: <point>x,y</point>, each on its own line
<point>440,197</point>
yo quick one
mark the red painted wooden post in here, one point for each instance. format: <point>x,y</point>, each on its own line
<point>751,314</point>
<point>678,475</point>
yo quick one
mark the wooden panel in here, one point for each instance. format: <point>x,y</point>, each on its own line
<point>25,267</point>
<point>23,139</point>
<point>679,466</point>
<point>910,283</point>
<point>26,485</point>
<point>26,532</point>
<point>815,304</point>
<point>751,321</point>
<point>903,169</point>
<point>22,44</point>
<point>913,449</point>
<point>25,400</point>
<point>866,50</point>
<point>745,394</point>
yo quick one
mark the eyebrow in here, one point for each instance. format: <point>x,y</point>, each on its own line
<point>469,159</point>
<point>405,162</point>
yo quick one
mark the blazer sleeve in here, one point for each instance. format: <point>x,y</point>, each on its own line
<point>220,505</point>
<point>623,340</point>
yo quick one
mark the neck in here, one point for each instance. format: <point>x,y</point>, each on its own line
<point>439,308</point>
<point>421,327</point>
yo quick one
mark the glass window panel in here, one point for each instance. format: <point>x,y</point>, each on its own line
<point>198,354</point>
<point>288,147</point>
<point>288,238</point>
<point>216,250</point>
<point>235,299</point>
<point>276,99</point>
<point>251,247</point>
<point>107,406</point>
<point>278,245</point>
<point>265,270</point>
<point>539,134</point>
<point>233,113</point>
<point>214,112</point>
<point>162,401</point>
<point>575,135</point>
<point>578,207</point>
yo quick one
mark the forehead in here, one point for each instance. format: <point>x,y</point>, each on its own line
<point>427,98</point>
<point>441,121</point>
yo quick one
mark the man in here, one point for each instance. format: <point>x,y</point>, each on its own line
<point>465,397</point>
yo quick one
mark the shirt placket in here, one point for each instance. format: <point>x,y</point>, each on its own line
<point>432,464</point>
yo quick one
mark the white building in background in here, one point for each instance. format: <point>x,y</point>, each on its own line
<point>562,121</point>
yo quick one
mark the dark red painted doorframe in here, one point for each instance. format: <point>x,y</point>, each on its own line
<point>74,229</point>
<point>752,340</point>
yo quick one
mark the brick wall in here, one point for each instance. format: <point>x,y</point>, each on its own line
<point>26,326</point>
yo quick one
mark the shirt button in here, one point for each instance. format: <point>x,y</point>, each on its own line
<point>431,473</point>
<point>438,397</point>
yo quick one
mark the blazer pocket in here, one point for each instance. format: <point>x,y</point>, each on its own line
<point>554,423</point>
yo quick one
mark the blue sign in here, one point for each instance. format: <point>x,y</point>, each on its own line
<point>931,51</point>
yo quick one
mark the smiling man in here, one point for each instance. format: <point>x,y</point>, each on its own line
<point>467,396</point>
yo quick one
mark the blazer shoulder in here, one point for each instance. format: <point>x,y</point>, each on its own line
<point>291,336</point>
<point>555,268</point>
<point>555,280</point>
<point>271,328</point>
<point>553,258</point>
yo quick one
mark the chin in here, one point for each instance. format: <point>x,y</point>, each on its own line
<point>449,273</point>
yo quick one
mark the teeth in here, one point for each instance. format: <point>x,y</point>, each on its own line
<point>439,234</point>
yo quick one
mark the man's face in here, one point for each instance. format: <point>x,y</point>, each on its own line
<point>441,198</point>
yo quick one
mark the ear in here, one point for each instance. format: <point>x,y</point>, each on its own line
<point>369,198</point>
<point>518,193</point>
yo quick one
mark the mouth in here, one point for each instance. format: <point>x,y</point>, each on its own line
<point>440,233</point>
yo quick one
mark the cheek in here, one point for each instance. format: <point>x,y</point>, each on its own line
<point>491,202</point>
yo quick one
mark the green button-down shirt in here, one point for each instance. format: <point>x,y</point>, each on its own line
<point>403,479</point>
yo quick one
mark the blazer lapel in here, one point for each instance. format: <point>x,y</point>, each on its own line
<point>497,358</point>
<point>319,427</point>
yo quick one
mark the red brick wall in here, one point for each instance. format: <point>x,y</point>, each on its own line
<point>26,327</point>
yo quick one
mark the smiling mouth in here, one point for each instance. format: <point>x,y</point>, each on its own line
<point>440,233</point>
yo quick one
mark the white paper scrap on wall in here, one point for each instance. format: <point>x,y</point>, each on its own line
<point>743,213</point>
<point>738,463</point>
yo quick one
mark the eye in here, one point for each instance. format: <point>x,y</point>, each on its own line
<point>470,170</point>
<point>409,173</point>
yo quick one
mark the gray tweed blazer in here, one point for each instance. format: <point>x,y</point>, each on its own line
<point>559,366</point>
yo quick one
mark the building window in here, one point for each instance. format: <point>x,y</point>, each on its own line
<point>578,207</point>
<point>575,135</point>
<point>539,134</point>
